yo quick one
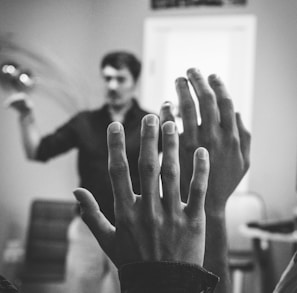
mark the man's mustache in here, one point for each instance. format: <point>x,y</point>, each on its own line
<point>113,94</point>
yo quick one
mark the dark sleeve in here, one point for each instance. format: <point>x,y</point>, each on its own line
<point>166,277</point>
<point>6,286</point>
<point>60,141</point>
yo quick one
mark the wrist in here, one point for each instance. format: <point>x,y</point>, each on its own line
<point>215,213</point>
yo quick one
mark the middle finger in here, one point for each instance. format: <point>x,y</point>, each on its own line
<point>148,163</point>
<point>207,101</point>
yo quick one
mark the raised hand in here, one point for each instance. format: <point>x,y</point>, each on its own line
<point>20,102</point>
<point>222,132</point>
<point>150,227</point>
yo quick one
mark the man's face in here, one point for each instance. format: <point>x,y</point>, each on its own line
<point>119,86</point>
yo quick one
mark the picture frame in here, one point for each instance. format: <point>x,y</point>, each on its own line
<point>163,4</point>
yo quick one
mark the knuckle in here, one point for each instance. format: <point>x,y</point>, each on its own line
<point>210,98</point>
<point>199,188</point>
<point>114,144</point>
<point>187,106</point>
<point>170,170</point>
<point>233,140</point>
<point>153,220</point>
<point>148,133</point>
<point>148,167</point>
<point>211,139</point>
<point>198,224</point>
<point>232,144</point>
<point>118,169</point>
<point>176,220</point>
<point>230,140</point>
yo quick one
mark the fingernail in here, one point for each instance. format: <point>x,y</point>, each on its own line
<point>169,127</point>
<point>193,71</point>
<point>213,77</point>
<point>181,81</point>
<point>115,127</point>
<point>202,153</point>
<point>167,104</point>
<point>151,120</point>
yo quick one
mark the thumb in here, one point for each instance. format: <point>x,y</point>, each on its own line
<point>101,228</point>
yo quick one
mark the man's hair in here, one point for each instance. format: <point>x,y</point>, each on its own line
<point>122,59</point>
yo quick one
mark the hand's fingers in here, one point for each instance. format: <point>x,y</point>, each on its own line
<point>198,186</point>
<point>227,114</point>
<point>187,110</point>
<point>170,169</point>
<point>218,87</point>
<point>95,220</point>
<point>207,101</point>
<point>166,112</point>
<point>245,141</point>
<point>148,163</point>
<point>118,166</point>
<point>18,98</point>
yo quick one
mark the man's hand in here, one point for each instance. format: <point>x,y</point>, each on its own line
<point>20,102</point>
<point>150,227</point>
<point>221,132</point>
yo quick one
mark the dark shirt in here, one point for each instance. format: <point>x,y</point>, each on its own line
<point>87,132</point>
<point>166,277</point>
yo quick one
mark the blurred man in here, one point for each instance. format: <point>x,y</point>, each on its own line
<point>86,270</point>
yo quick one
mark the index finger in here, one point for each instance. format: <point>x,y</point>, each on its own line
<point>166,112</point>
<point>187,110</point>
<point>118,166</point>
<point>206,97</point>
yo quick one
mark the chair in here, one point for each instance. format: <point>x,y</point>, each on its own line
<point>242,208</point>
<point>46,243</point>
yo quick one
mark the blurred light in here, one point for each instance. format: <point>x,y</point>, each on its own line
<point>26,79</point>
<point>10,69</point>
<point>12,75</point>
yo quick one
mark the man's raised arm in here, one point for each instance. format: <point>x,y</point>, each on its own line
<point>29,132</point>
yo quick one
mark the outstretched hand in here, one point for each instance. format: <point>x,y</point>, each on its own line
<point>150,227</point>
<point>221,131</point>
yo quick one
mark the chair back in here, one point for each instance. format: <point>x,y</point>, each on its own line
<point>47,244</point>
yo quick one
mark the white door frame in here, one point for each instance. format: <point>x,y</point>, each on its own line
<point>236,62</point>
